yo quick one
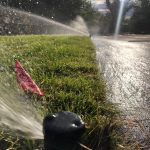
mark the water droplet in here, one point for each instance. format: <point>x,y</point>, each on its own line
<point>2,69</point>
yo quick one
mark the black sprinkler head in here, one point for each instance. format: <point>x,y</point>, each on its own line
<point>62,131</point>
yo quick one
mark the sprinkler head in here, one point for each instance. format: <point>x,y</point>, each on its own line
<point>62,131</point>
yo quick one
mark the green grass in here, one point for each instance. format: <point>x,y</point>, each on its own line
<point>65,68</point>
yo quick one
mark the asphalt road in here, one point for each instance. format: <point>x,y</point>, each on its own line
<point>126,68</point>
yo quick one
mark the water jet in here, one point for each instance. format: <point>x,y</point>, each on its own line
<point>18,115</point>
<point>119,18</point>
<point>13,22</point>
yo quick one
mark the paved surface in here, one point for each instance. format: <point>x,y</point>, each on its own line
<point>131,38</point>
<point>126,68</point>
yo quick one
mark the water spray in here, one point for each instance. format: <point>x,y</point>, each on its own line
<point>119,18</point>
<point>15,22</point>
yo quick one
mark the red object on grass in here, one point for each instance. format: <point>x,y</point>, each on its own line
<point>25,80</point>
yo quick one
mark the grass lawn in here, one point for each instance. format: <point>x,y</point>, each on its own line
<point>65,68</point>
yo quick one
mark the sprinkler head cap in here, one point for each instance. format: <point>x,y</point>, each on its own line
<point>62,131</point>
<point>62,125</point>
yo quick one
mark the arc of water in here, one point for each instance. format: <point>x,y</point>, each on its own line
<point>18,116</point>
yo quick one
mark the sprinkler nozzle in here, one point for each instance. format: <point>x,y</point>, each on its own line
<point>62,131</point>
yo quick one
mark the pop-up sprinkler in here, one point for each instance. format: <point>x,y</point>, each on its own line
<point>62,131</point>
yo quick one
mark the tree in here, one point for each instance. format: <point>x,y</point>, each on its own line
<point>113,7</point>
<point>89,13</point>
<point>140,21</point>
<point>62,10</point>
<point>27,5</point>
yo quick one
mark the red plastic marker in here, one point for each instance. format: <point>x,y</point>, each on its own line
<point>25,80</point>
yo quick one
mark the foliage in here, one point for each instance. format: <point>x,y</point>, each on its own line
<point>92,17</point>
<point>66,70</point>
<point>87,12</point>
<point>140,21</point>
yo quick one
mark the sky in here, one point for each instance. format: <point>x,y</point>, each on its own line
<point>100,5</point>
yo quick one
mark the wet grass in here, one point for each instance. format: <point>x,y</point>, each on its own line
<point>65,68</point>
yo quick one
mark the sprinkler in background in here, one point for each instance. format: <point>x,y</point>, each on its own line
<point>62,130</point>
